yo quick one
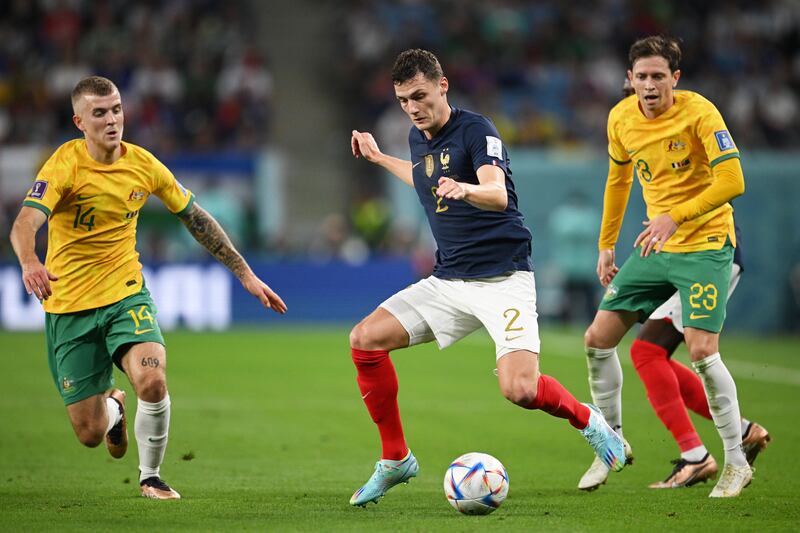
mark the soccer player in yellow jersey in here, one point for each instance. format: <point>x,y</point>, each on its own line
<point>672,388</point>
<point>678,147</point>
<point>98,309</point>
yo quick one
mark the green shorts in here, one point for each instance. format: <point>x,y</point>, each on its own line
<point>82,346</point>
<point>701,279</point>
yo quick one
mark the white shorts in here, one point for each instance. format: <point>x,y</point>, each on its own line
<point>446,310</point>
<point>672,310</point>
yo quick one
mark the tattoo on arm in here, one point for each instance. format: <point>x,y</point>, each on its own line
<point>210,234</point>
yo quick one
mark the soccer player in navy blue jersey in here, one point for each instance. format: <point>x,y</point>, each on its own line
<point>483,275</point>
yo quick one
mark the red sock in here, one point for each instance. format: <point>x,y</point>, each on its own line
<point>692,390</point>
<point>377,381</point>
<point>554,399</point>
<point>652,363</point>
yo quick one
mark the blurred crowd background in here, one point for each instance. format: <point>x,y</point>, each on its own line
<point>203,82</point>
<point>548,72</point>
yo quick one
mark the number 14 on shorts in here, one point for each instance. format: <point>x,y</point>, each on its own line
<point>143,315</point>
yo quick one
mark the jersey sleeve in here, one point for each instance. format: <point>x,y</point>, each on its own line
<point>618,186</point>
<point>615,201</point>
<point>714,134</point>
<point>485,147</point>
<point>728,184</point>
<point>616,151</point>
<point>51,184</point>
<point>169,190</point>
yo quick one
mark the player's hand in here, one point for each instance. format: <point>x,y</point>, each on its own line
<point>606,268</point>
<point>655,234</point>
<point>451,189</point>
<point>363,145</point>
<point>36,279</point>
<point>261,290</point>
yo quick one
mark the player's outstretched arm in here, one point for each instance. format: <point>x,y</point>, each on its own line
<point>207,231</point>
<point>363,145</point>
<point>35,276</point>
<point>489,194</point>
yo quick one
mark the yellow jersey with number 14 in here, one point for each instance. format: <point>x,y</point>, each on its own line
<point>92,210</point>
<point>672,156</point>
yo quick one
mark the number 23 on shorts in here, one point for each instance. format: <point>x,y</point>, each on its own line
<point>703,297</point>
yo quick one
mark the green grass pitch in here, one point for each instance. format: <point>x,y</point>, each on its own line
<point>269,434</point>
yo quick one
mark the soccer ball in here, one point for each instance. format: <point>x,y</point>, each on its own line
<point>476,483</point>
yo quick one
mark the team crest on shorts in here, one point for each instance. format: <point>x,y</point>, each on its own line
<point>66,384</point>
<point>611,291</point>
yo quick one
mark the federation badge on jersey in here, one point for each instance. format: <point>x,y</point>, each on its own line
<point>494,147</point>
<point>138,195</point>
<point>675,145</point>
<point>429,165</point>
<point>444,159</point>
<point>724,140</point>
<point>38,189</point>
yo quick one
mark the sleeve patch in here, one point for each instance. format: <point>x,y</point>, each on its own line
<point>38,189</point>
<point>724,140</point>
<point>494,147</point>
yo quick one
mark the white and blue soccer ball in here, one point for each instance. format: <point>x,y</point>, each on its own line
<point>476,483</point>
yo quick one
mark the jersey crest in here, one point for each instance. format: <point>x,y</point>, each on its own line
<point>429,165</point>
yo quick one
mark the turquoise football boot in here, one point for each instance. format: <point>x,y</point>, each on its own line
<point>608,446</point>
<point>387,474</point>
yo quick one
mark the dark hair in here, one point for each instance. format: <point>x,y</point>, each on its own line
<point>415,60</point>
<point>656,45</point>
<point>627,89</point>
<point>96,85</point>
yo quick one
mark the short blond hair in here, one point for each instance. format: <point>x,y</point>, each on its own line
<point>95,85</point>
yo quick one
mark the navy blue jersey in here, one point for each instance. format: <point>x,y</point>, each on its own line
<point>737,252</point>
<point>471,242</point>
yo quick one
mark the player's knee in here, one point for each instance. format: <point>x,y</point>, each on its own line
<point>364,337</point>
<point>701,349</point>
<point>90,434</point>
<point>152,387</point>
<point>358,336</point>
<point>520,392</point>
<point>592,337</point>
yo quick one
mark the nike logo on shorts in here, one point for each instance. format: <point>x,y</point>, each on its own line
<point>693,316</point>
<point>140,331</point>
<point>509,339</point>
